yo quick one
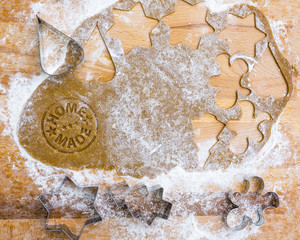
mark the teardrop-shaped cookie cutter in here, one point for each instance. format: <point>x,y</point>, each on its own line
<point>73,47</point>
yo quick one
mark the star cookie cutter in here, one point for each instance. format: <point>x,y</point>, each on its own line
<point>63,205</point>
<point>250,204</point>
<point>74,54</point>
<point>141,201</point>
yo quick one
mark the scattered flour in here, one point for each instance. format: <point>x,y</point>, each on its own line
<point>66,15</point>
<point>275,152</point>
<point>279,29</point>
<point>223,5</point>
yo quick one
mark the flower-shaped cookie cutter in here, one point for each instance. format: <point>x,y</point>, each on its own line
<point>250,204</point>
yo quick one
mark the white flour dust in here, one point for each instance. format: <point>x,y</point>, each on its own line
<point>68,14</point>
<point>280,33</point>
<point>223,5</point>
<point>67,17</point>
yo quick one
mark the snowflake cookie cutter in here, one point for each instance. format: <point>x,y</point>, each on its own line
<point>74,55</point>
<point>58,210</point>
<point>250,204</point>
<point>141,201</point>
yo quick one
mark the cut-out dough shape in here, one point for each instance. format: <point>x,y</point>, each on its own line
<point>140,123</point>
<point>132,28</point>
<point>248,34</point>
<point>97,62</point>
<point>155,9</point>
<point>239,143</point>
<point>266,78</point>
<point>229,81</point>
<point>187,24</point>
<point>207,130</point>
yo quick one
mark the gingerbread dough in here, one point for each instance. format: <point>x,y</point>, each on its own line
<point>140,123</point>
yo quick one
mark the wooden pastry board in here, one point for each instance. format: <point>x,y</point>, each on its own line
<point>15,184</point>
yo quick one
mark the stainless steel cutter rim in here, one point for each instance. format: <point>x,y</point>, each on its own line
<point>68,232</point>
<point>139,214</point>
<point>41,21</point>
<point>247,220</point>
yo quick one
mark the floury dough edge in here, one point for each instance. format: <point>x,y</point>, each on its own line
<point>145,113</point>
<point>276,152</point>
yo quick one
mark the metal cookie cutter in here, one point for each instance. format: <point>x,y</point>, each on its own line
<point>141,202</point>
<point>74,53</point>
<point>250,204</point>
<point>70,208</point>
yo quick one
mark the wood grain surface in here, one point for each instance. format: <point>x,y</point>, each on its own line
<point>21,214</point>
